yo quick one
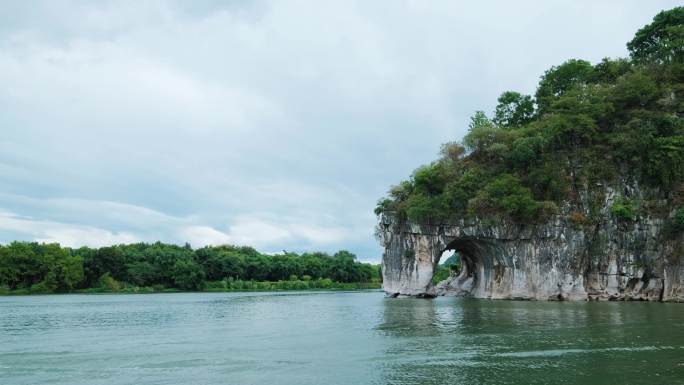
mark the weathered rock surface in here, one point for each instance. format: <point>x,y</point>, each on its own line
<point>606,259</point>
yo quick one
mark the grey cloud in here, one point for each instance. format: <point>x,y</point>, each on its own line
<point>277,123</point>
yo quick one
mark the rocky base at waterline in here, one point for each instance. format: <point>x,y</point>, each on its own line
<point>607,259</point>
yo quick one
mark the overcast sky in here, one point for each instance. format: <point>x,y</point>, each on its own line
<point>271,124</point>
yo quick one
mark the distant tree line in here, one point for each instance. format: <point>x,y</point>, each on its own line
<point>44,268</point>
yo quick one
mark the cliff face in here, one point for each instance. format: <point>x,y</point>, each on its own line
<point>604,259</point>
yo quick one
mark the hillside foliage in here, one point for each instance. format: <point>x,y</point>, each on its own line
<point>586,125</point>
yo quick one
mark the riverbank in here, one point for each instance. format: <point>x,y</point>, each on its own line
<point>226,286</point>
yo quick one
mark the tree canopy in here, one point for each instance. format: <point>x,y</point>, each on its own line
<point>661,41</point>
<point>45,268</point>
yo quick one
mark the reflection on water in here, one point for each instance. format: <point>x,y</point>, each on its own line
<point>335,338</point>
<point>404,317</point>
<point>496,342</point>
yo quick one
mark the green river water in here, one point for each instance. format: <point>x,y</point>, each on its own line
<point>334,338</point>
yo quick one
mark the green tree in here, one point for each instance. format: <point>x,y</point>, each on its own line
<point>430,179</point>
<point>187,274</point>
<point>482,133</point>
<point>141,273</point>
<point>221,262</point>
<point>662,40</point>
<point>106,260</point>
<point>342,268</point>
<point>513,110</point>
<point>608,70</point>
<point>69,271</point>
<point>258,267</point>
<point>506,194</point>
<point>634,90</point>
<point>452,152</point>
<point>559,79</point>
<point>313,264</point>
<point>526,151</point>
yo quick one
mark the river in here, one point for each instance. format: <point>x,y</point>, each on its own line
<point>344,338</point>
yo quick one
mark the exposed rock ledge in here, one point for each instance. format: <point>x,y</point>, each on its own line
<point>608,260</point>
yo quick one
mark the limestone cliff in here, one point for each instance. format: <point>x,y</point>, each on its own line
<point>603,258</point>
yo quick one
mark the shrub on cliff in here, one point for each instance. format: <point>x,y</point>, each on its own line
<point>675,226</point>
<point>623,209</point>
<point>506,195</point>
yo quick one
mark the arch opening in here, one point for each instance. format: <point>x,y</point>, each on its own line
<point>471,252</point>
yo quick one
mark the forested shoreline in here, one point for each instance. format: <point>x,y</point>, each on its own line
<point>43,268</point>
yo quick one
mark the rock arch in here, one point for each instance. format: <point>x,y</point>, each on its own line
<point>551,261</point>
<point>413,251</point>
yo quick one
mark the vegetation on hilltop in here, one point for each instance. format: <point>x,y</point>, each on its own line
<point>585,125</point>
<point>46,268</point>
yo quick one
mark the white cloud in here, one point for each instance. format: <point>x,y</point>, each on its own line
<point>64,234</point>
<point>140,224</point>
<point>271,233</point>
<point>205,235</point>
